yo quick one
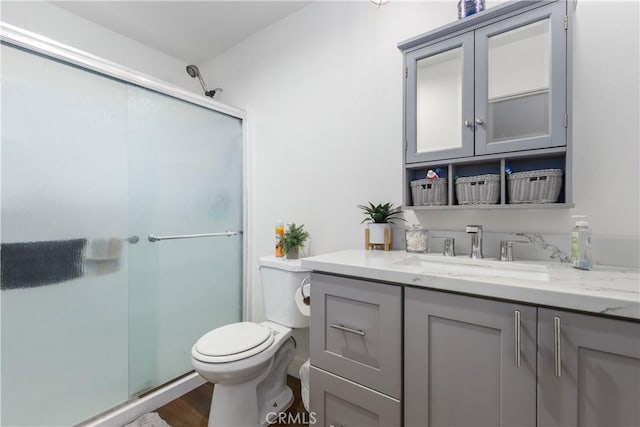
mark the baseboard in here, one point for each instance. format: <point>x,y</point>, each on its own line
<point>294,367</point>
<point>132,410</point>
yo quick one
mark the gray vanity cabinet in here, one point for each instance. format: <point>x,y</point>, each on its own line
<point>468,361</point>
<point>339,402</point>
<point>356,331</point>
<point>356,352</point>
<point>493,83</point>
<point>588,370</point>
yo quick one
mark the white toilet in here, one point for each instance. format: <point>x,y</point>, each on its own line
<point>248,361</point>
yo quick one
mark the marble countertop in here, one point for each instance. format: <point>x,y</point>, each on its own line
<point>604,290</point>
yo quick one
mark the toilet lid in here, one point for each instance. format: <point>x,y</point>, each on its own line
<point>232,339</point>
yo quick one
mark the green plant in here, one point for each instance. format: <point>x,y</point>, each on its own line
<point>381,213</point>
<point>294,237</point>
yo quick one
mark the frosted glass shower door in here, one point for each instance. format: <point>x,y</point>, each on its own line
<point>90,315</point>
<point>64,180</point>
<point>185,177</point>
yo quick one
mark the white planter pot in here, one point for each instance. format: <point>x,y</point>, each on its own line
<point>376,232</point>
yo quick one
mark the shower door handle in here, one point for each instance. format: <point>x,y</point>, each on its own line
<point>153,238</point>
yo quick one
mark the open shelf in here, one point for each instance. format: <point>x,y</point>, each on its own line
<point>492,207</point>
<point>549,158</point>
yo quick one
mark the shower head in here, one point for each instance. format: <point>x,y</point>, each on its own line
<point>194,72</point>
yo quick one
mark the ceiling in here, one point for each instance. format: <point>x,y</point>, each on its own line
<point>193,31</point>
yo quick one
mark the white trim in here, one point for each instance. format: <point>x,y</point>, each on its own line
<point>45,46</point>
<point>136,408</point>
<point>247,275</point>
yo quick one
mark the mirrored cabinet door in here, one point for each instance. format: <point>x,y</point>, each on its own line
<point>439,100</point>
<point>520,82</point>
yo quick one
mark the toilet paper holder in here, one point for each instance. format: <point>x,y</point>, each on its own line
<point>305,298</point>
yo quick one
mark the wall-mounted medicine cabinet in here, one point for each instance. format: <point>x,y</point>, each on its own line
<point>489,94</point>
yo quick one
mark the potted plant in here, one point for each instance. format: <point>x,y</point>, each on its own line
<point>380,217</point>
<point>293,239</point>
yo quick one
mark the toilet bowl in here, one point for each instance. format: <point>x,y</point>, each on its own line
<point>248,361</point>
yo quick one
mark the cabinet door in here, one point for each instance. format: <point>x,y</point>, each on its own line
<point>439,99</point>
<point>589,370</point>
<point>356,331</point>
<point>521,88</point>
<point>468,361</point>
<point>335,402</point>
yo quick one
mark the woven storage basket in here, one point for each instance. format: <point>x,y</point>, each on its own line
<point>429,192</point>
<point>539,186</point>
<point>475,190</point>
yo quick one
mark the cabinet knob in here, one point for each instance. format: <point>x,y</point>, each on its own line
<point>480,121</point>
<point>468,123</point>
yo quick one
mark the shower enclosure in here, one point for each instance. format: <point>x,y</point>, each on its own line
<point>95,159</point>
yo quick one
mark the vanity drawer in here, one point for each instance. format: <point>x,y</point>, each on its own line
<point>335,401</point>
<point>356,331</point>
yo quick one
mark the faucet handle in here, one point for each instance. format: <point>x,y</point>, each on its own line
<point>506,249</point>
<point>449,248</point>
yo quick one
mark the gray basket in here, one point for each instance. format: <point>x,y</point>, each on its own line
<point>538,186</point>
<point>429,192</point>
<point>478,190</point>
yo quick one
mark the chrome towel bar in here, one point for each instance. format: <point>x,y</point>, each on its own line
<point>153,238</point>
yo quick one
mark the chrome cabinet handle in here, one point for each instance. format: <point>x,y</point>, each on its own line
<point>517,337</point>
<point>468,123</point>
<point>556,346</point>
<point>480,121</point>
<point>343,328</point>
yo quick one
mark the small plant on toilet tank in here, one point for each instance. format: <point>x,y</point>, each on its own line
<point>293,239</point>
<point>379,217</point>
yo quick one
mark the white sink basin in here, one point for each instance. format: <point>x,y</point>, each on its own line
<point>439,264</point>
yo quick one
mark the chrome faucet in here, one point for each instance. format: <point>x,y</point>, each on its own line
<point>476,240</point>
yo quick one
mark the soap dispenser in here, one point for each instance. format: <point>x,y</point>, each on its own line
<point>581,243</point>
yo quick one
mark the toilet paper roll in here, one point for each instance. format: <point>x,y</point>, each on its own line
<point>299,299</point>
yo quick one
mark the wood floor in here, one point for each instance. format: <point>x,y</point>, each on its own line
<point>192,409</point>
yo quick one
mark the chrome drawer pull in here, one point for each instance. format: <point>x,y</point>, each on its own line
<point>556,346</point>
<point>517,337</point>
<point>343,328</point>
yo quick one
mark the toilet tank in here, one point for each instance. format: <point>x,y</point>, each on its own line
<point>280,280</point>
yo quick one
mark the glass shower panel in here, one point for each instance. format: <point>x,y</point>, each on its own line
<point>185,177</point>
<point>64,199</point>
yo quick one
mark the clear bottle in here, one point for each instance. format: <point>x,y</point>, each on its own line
<point>279,236</point>
<point>581,243</point>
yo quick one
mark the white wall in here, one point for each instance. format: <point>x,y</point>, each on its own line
<point>57,24</point>
<point>324,92</point>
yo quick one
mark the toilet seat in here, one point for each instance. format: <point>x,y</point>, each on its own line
<point>232,342</point>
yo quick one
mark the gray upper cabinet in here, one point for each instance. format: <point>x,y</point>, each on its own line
<point>495,83</point>
<point>588,370</point>
<point>468,361</point>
